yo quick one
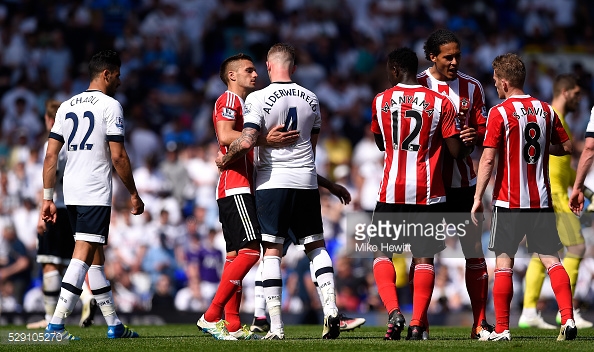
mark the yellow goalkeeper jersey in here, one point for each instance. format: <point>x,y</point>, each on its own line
<point>561,174</point>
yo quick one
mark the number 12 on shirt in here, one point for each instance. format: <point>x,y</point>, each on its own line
<point>407,142</point>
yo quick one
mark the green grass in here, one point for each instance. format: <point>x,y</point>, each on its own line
<point>300,338</point>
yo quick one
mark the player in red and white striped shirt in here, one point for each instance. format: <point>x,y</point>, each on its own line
<point>523,131</point>
<point>237,211</point>
<point>411,124</point>
<point>443,49</point>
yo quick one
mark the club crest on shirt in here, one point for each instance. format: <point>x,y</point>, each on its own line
<point>119,122</point>
<point>228,113</point>
<point>464,104</point>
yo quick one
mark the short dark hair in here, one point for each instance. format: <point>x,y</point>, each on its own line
<point>436,40</point>
<point>565,81</point>
<point>104,60</point>
<point>510,67</point>
<point>405,59</point>
<point>228,61</point>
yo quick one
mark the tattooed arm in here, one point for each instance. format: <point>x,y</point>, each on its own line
<point>238,148</point>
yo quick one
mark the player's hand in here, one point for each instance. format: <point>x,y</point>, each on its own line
<point>468,136</point>
<point>219,161</point>
<point>41,226</point>
<point>137,205</point>
<point>278,139</point>
<point>49,212</point>
<point>576,201</point>
<point>341,192</point>
<point>477,208</point>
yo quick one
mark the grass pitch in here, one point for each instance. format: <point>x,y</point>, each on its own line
<point>300,338</point>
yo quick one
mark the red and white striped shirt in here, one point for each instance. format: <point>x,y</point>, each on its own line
<point>413,121</point>
<point>522,128</point>
<point>238,177</point>
<point>468,97</point>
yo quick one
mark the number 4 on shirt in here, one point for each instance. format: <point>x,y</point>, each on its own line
<point>291,121</point>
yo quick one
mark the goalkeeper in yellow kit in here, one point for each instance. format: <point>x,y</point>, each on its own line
<point>566,97</point>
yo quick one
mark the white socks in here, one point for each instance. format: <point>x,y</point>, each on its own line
<point>259,299</point>
<point>273,285</point>
<point>324,273</point>
<point>101,290</point>
<point>51,291</point>
<point>70,291</point>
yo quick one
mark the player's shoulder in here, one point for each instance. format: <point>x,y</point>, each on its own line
<point>258,95</point>
<point>436,96</point>
<point>228,99</point>
<point>423,74</point>
<point>105,101</point>
<point>468,78</point>
<point>306,91</point>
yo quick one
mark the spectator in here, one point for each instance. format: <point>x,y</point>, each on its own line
<point>15,267</point>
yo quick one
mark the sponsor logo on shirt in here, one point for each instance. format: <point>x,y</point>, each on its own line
<point>228,113</point>
<point>119,123</point>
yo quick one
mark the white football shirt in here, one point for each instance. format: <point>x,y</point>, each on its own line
<point>85,124</point>
<point>289,104</point>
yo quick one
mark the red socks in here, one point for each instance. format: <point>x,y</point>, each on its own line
<point>477,285</point>
<point>385,279</point>
<point>562,288</point>
<point>503,291</point>
<point>233,273</point>
<point>424,281</point>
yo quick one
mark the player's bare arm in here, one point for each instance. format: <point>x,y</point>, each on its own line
<point>339,191</point>
<point>379,141</point>
<point>457,148</point>
<point>50,165</point>
<point>485,169</point>
<point>275,138</point>
<point>561,149</point>
<point>576,200</point>
<point>121,163</point>
<point>239,147</point>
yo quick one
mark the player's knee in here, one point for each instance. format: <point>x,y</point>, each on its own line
<point>577,250</point>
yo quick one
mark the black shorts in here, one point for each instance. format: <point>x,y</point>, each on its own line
<point>284,209</point>
<point>457,209</point>
<point>421,246</point>
<point>508,227</point>
<point>289,240</point>
<point>56,244</point>
<point>90,223</point>
<point>237,214</point>
<point>459,200</point>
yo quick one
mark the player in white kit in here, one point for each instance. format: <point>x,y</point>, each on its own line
<point>91,124</point>
<point>287,197</point>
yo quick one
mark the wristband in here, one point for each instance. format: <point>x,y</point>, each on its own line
<point>48,194</point>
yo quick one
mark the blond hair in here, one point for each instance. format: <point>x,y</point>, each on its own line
<point>511,68</point>
<point>51,107</point>
<point>282,52</point>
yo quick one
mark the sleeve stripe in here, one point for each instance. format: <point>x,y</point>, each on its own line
<point>251,125</point>
<point>315,130</point>
<point>590,134</point>
<point>115,138</point>
<point>56,137</point>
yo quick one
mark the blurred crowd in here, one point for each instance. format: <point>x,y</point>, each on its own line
<point>171,257</point>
